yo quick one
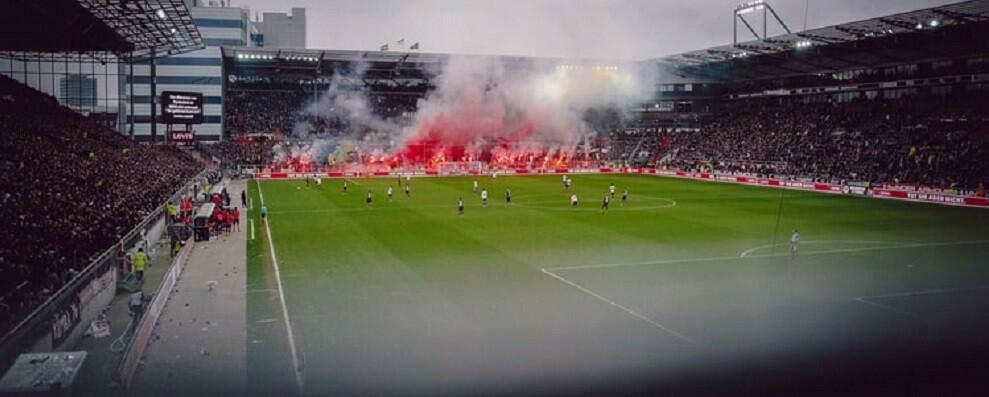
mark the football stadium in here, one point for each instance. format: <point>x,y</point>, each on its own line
<point>196,202</point>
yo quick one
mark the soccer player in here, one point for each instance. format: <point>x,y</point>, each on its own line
<point>573,201</point>
<point>264,214</point>
<point>345,186</point>
<point>508,197</point>
<point>307,180</point>
<point>390,192</point>
<point>566,184</point>
<point>319,182</point>
<point>794,243</point>
<point>604,203</point>
<point>408,192</point>
<point>460,207</point>
<point>367,200</point>
<point>611,190</point>
<point>484,197</point>
<point>624,196</point>
<point>475,186</point>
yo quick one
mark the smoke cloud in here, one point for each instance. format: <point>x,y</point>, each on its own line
<point>480,109</point>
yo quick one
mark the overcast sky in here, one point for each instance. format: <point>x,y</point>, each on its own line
<point>596,29</point>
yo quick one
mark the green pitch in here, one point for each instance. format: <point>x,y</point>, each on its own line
<point>408,297</point>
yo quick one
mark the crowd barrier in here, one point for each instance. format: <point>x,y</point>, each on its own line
<point>796,184</point>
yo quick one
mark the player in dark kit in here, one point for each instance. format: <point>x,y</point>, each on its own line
<point>367,200</point>
<point>460,207</point>
<point>604,203</point>
<point>624,197</point>
<point>508,197</point>
<point>345,186</point>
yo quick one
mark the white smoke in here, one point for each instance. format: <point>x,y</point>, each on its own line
<point>535,103</point>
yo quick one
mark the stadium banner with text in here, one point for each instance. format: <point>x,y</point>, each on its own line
<point>182,137</point>
<point>181,107</point>
<point>937,198</point>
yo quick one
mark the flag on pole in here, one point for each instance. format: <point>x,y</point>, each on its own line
<point>414,46</point>
<point>384,47</point>
<point>401,41</point>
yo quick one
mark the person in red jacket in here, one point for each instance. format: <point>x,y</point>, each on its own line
<point>236,218</point>
<point>228,220</point>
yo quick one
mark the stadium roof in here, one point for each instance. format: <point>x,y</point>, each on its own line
<point>126,28</point>
<point>948,31</point>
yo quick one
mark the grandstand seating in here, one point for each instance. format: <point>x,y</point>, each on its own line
<point>922,142</point>
<point>72,188</point>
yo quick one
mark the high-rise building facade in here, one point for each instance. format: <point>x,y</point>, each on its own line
<point>280,30</point>
<point>198,71</point>
<point>77,91</point>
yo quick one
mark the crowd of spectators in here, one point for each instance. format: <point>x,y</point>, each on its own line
<point>931,143</point>
<point>256,152</point>
<point>72,189</point>
<point>298,112</point>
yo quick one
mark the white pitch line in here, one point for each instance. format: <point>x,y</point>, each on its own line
<point>925,292</point>
<point>281,298</point>
<point>623,308</point>
<point>728,258</point>
<point>252,228</point>
<point>888,307</point>
<point>762,247</point>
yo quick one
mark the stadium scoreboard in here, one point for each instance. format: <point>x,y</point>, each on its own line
<point>181,107</point>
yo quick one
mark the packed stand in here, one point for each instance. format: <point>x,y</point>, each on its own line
<point>942,144</point>
<point>241,152</point>
<point>73,189</point>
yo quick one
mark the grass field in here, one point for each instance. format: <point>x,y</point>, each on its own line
<point>688,283</point>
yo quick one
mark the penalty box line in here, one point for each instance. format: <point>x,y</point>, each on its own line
<point>621,307</point>
<point>866,300</point>
<point>787,254</point>
<point>281,299</point>
<point>872,300</point>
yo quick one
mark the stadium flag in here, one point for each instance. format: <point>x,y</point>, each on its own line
<point>400,41</point>
<point>384,47</point>
<point>414,46</point>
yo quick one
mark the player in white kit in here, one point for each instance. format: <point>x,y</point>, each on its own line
<point>794,243</point>
<point>484,197</point>
<point>573,201</point>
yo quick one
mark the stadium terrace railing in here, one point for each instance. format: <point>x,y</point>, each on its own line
<point>51,314</point>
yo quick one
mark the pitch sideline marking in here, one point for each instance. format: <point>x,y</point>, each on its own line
<point>728,258</point>
<point>252,228</point>
<point>634,313</point>
<point>281,298</point>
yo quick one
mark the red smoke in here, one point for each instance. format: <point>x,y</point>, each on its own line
<point>470,132</point>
